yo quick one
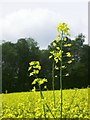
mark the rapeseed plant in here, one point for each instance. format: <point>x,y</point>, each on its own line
<point>57,56</point>
<point>35,67</point>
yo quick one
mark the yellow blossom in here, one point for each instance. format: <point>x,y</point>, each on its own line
<point>54,44</point>
<point>70,61</point>
<point>57,48</point>
<point>68,45</point>
<point>68,54</point>
<point>63,27</point>
<point>57,39</point>
<point>56,76</point>
<point>45,87</point>
<point>67,74</point>
<point>63,66</point>
<point>65,39</point>
<point>65,45</point>
<point>58,35</point>
<point>34,89</point>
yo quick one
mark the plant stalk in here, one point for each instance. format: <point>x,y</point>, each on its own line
<point>42,97</point>
<point>41,100</point>
<point>53,86</point>
<point>61,78</point>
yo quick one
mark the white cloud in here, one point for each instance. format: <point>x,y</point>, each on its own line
<point>40,23</point>
<point>27,23</point>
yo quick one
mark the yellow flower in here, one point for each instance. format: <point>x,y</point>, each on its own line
<point>31,74</point>
<point>63,27</point>
<point>65,45</point>
<point>56,76</point>
<point>54,44</point>
<point>57,48</point>
<point>57,39</point>
<point>56,67</point>
<point>29,68</point>
<point>56,60</point>
<point>34,89</point>
<point>70,61</point>
<point>50,56</point>
<point>67,74</point>
<point>45,87</point>
<point>63,66</point>
<point>65,39</point>
<point>68,54</point>
<point>58,35</point>
<point>69,45</point>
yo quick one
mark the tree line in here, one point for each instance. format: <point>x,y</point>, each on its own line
<point>16,58</point>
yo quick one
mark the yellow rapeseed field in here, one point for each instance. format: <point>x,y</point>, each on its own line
<point>29,104</point>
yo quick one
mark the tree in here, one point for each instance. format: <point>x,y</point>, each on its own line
<point>9,66</point>
<point>15,64</point>
<point>27,51</point>
<point>79,72</point>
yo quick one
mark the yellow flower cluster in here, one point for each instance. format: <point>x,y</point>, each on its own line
<point>35,66</point>
<point>63,27</point>
<point>40,81</point>
<point>57,55</point>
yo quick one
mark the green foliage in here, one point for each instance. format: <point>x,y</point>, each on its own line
<point>15,59</point>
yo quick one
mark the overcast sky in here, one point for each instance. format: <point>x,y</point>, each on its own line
<point>38,20</point>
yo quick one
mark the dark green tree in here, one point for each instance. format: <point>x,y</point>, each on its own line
<point>9,66</point>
